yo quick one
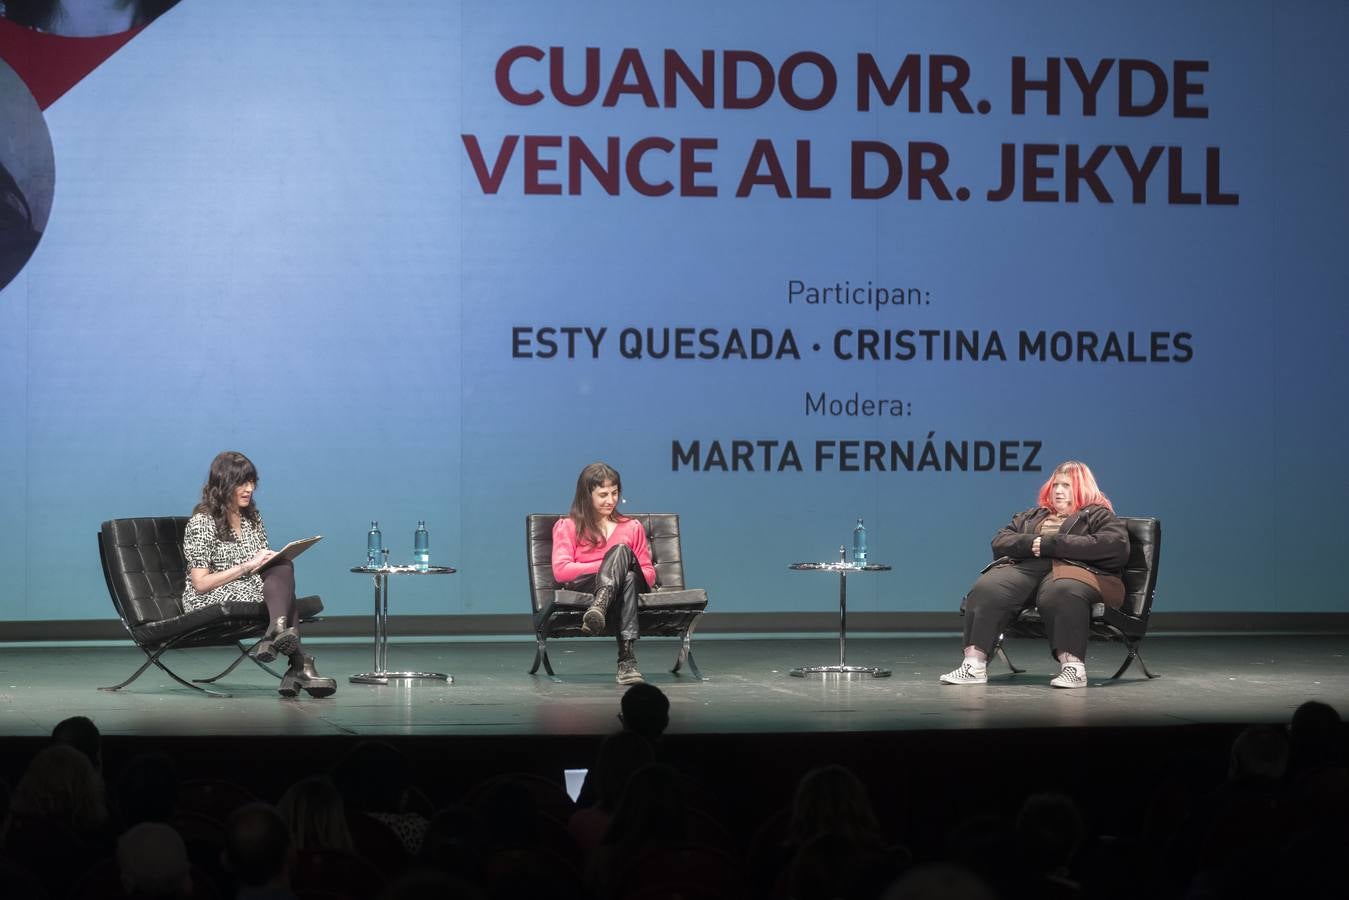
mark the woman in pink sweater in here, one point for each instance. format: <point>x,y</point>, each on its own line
<point>598,550</point>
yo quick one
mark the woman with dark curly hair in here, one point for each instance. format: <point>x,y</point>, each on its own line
<point>225,547</point>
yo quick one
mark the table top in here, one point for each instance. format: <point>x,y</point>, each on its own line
<point>843,568</point>
<point>403,570</point>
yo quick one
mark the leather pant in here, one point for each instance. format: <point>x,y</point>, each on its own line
<point>620,569</point>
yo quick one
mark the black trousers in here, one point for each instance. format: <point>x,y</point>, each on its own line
<point>1001,593</point>
<point>620,569</point>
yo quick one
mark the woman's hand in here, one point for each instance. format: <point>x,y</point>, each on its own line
<point>255,561</point>
<point>1035,546</point>
<point>204,580</point>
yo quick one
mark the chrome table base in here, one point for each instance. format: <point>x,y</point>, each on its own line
<point>843,569</point>
<point>382,675</point>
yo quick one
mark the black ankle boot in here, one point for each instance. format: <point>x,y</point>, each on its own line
<point>302,674</point>
<point>278,641</point>
<point>593,620</point>
<point>627,664</point>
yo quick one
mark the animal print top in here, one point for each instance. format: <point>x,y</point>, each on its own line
<point>204,550</point>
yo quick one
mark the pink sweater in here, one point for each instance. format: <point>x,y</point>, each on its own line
<point>572,559</point>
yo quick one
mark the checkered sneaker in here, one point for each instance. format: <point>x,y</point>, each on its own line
<point>966,674</point>
<point>1072,675</point>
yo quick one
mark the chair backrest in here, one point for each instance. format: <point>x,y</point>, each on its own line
<point>1140,573</point>
<point>144,567</point>
<point>662,534</point>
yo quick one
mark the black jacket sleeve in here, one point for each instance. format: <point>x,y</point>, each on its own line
<point>1105,545</point>
<point>1011,540</point>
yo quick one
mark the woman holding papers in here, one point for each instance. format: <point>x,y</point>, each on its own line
<point>225,547</point>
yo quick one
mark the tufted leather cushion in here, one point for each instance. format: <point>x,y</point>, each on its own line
<point>145,567</point>
<point>249,615</point>
<point>661,599</point>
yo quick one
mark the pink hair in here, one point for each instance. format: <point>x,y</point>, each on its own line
<point>1083,483</point>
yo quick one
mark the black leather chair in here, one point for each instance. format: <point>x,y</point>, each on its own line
<point>145,570</point>
<point>1128,624</point>
<point>669,610</point>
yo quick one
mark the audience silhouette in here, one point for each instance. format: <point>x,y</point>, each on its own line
<point>1267,822</point>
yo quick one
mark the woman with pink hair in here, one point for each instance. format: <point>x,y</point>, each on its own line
<point>1062,555</point>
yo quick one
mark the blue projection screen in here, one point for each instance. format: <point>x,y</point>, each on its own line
<point>782,264</point>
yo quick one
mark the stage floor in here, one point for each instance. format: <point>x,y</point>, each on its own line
<point>1205,679</point>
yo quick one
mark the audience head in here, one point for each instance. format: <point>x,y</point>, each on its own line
<point>652,809</point>
<point>835,867</point>
<point>939,881</point>
<point>420,884</point>
<point>315,815</point>
<point>1260,751</point>
<point>645,710</point>
<point>454,842</point>
<point>985,844</point>
<point>146,790</point>
<point>1315,735</point>
<point>153,861</point>
<point>60,785</point>
<point>507,813</point>
<point>81,733</point>
<point>373,777</point>
<point>257,845</point>
<point>620,756</point>
<point>831,800</point>
<point>1050,830</point>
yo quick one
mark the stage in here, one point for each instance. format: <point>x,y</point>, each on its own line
<point>928,753</point>
<point>1204,680</point>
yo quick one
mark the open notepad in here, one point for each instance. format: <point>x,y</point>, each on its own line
<point>291,550</point>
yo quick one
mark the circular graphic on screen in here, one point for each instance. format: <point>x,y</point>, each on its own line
<point>27,174</point>
<point>83,18</point>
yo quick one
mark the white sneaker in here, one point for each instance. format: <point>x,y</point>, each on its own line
<point>1072,675</point>
<point>966,674</point>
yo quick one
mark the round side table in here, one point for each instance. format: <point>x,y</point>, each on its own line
<point>381,674</point>
<point>844,569</point>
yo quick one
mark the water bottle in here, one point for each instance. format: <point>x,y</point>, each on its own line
<point>421,547</point>
<point>859,544</point>
<point>374,547</point>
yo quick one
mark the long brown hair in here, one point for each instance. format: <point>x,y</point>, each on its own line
<point>831,799</point>
<point>583,515</point>
<point>228,470</point>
